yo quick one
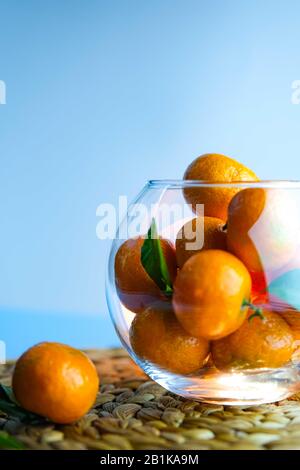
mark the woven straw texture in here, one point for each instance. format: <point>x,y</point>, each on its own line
<point>132,412</point>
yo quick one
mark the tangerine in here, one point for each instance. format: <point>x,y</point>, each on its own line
<point>135,287</point>
<point>208,232</point>
<point>260,228</point>
<point>292,317</point>
<point>259,342</point>
<point>157,336</point>
<point>209,293</point>
<point>55,381</point>
<point>217,168</point>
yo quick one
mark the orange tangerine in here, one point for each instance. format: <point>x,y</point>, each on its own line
<point>208,232</point>
<point>156,336</point>
<point>55,381</point>
<point>217,168</point>
<point>266,342</point>
<point>292,317</point>
<point>135,287</point>
<point>209,293</point>
<point>260,229</point>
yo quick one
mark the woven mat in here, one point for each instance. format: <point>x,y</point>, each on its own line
<point>132,412</point>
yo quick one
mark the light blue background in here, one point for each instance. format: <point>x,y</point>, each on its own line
<point>105,94</point>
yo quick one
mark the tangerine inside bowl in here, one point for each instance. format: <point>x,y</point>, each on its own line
<point>208,307</point>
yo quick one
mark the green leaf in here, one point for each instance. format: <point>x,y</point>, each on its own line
<point>8,393</point>
<point>287,288</point>
<point>9,442</point>
<point>16,411</point>
<point>154,262</point>
<point>10,406</point>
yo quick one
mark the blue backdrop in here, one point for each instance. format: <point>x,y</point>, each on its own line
<point>105,94</point>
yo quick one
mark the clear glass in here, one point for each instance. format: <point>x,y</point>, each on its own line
<point>259,364</point>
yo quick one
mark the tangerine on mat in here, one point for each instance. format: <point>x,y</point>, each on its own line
<point>208,232</point>
<point>261,229</point>
<point>266,342</point>
<point>211,168</point>
<point>135,287</point>
<point>156,335</point>
<point>209,292</point>
<point>55,381</point>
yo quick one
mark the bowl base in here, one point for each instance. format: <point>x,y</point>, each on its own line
<point>240,388</point>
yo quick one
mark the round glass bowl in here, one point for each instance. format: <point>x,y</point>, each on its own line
<point>203,288</point>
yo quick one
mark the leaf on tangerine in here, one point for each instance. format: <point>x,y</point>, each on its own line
<point>154,262</point>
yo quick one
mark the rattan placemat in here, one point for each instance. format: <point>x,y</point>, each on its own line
<point>133,412</point>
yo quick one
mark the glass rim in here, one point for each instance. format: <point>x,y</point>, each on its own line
<point>174,183</point>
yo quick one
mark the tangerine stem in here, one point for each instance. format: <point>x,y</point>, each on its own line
<point>257,312</point>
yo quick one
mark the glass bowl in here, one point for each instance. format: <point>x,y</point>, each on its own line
<point>207,307</point>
